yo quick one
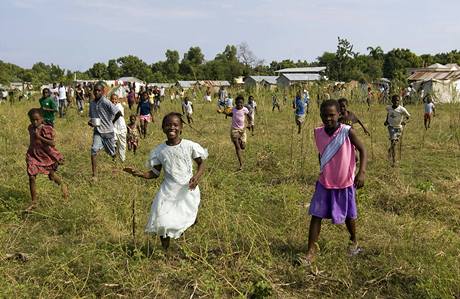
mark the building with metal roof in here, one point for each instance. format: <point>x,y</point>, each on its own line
<point>286,80</point>
<point>441,81</point>
<point>256,81</point>
<point>302,70</point>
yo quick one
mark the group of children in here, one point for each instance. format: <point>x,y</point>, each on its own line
<point>175,206</point>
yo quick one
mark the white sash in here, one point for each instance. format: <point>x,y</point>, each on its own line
<point>334,145</point>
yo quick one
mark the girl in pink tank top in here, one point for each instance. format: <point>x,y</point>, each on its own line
<point>334,197</point>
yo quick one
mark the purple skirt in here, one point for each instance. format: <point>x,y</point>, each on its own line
<point>335,204</point>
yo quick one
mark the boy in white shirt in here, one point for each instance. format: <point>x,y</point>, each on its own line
<point>187,109</point>
<point>396,119</point>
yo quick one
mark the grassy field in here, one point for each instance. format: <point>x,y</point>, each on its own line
<point>251,224</point>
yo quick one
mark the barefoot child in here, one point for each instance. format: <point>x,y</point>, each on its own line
<point>187,109</point>
<point>349,118</point>
<point>144,110</point>
<point>335,193</point>
<point>42,156</point>
<point>252,107</point>
<point>396,119</point>
<point>132,137</point>
<point>237,133</point>
<point>430,111</point>
<point>299,105</point>
<point>175,206</point>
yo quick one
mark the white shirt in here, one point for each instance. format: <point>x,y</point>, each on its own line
<point>62,94</point>
<point>120,125</point>
<point>188,107</point>
<point>429,107</point>
<point>229,102</point>
<point>396,116</point>
<point>162,92</point>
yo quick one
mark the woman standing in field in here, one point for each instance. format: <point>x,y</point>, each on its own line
<point>335,193</point>
<point>175,206</point>
<point>42,155</point>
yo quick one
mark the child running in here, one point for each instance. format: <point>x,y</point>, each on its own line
<point>48,107</point>
<point>430,111</point>
<point>175,206</point>
<point>396,119</point>
<point>42,155</point>
<point>335,193</point>
<point>187,109</point>
<point>349,118</point>
<point>132,137</point>
<point>299,105</point>
<point>252,107</point>
<point>144,110</point>
<point>237,133</point>
<point>119,128</point>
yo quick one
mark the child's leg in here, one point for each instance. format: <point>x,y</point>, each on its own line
<point>236,143</point>
<point>33,192</point>
<point>165,242</point>
<point>425,122</point>
<point>93,165</point>
<point>122,146</point>
<point>351,227</point>
<point>52,176</point>
<point>313,235</point>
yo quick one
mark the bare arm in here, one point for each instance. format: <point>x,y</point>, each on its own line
<point>146,175</point>
<point>362,126</point>
<point>117,116</point>
<point>196,178</point>
<point>360,176</point>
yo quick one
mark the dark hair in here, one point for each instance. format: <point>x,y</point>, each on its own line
<point>171,114</point>
<point>394,97</point>
<point>343,100</point>
<point>239,98</point>
<point>47,89</point>
<point>329,103</point>
<point>99,84</point>
<point>35,111</point>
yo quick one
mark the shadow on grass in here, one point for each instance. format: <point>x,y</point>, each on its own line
<point>12,199</point>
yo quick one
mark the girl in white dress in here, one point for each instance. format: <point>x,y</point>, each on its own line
<point>175,205</point>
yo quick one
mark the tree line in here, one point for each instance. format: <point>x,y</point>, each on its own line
<point>344,64</point>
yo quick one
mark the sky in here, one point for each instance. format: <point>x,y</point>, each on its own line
<point>76,34</point>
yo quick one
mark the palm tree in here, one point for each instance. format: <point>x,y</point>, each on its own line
<point>376,52</point>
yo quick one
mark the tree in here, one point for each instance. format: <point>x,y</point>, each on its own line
<point>376,53</point>
<point>132,66</point>
<point>193,59</point>
<point>99,71</point>
<point>397,61</point>
<point>171,65</point>
<point>113,69</point>
<point>247,57</point>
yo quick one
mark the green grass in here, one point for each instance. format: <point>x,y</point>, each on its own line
<point>251,224</point>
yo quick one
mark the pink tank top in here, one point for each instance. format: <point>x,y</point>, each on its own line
<point>339,172</point>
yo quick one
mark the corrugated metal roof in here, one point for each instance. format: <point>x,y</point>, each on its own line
<point>165,85</point>
<point>434,75</point>
<point>302,77</point>
<point>215,83</point>
<point>186,84</point>
<point>130,79</point>
<point>315,69</point>
<point>271,80</point>
<point>259,79</point>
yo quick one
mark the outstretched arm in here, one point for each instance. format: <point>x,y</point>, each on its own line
<point>195,179</point>
<point>364,128</point>
<point>152,174</point>
<point>360,176</point>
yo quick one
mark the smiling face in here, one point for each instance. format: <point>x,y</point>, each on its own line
<point>330,116</point>
<point>114,99</point>
<point>172,127</point>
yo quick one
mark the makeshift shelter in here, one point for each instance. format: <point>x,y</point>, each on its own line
<point>441,81</point>
<point>214,85</point>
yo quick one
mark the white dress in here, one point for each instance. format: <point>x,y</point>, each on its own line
<point>175,206</point>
